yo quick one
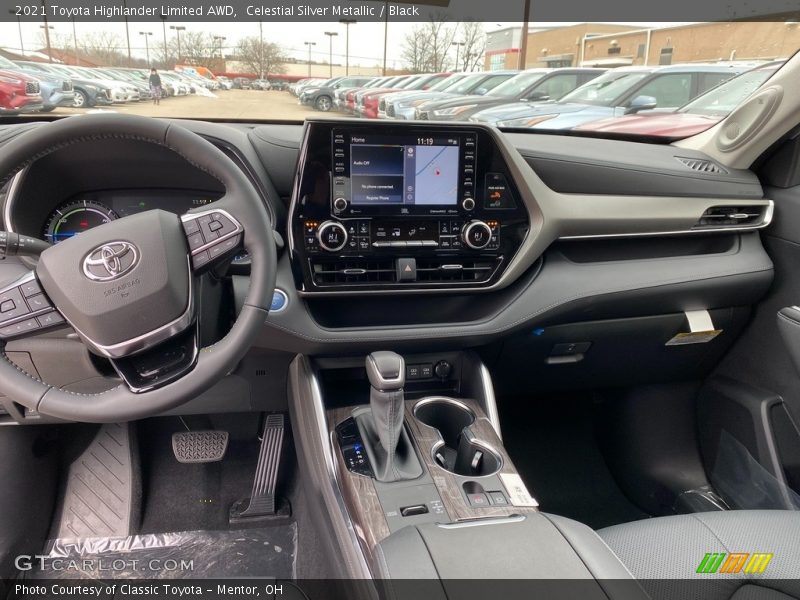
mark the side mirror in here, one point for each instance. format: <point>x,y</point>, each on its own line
<point>537,97</point>
<point>641,103</point>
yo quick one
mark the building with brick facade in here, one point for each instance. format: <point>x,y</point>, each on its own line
<point>602,44</point>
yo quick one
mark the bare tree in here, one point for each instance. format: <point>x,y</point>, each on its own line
<point>473,37</point>
<point>258,57</point>
<point>104,48</point>
<point>414,53</point>
<point>195,47</point>
<point>426,47</point>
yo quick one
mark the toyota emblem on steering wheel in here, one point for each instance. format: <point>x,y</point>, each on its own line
<point>110,261</point>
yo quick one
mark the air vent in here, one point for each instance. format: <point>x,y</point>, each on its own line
<point>353,272</point>
<point>455,270</point>
<point>733,216</point>
<point>383,271</point>
<point>701,165</point>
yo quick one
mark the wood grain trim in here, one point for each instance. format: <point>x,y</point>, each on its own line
<point>359,492</point>
<point>361,496</point>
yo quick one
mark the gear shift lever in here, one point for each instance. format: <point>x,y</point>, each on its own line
<point>388,446</point>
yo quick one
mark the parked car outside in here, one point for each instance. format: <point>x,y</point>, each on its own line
<point>478,84</point>
<point>55,90</point>
<point>625,90</point>
<point>224,83</point>
<point>700,114</point>
<point>242,83</point>
<point>533,85</point>
<point>88,92</point>
<point>401,105</point>
<point>321,97</point>
<point>19,93</point>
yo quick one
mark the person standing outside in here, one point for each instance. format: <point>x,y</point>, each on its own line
<point>155,86</point>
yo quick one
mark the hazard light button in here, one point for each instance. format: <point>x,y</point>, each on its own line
<point>406,269</point>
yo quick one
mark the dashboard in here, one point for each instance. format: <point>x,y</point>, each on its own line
<point>514,241</point>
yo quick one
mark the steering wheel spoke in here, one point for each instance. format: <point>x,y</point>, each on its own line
<point>160,365</point>
<point>212,235</point>
<point>26,310</point>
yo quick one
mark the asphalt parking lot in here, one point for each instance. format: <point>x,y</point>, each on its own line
<point>224,104</point>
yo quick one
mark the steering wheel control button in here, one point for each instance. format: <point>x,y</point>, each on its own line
<point>279,301</point>
<point>20,328</point>
<point>200,259</point>
<point>50,319</point>
<point>191,226</point>
<point>196,240</point>
<point>12,305</point>
<point>215,226</point>
<point>38,303</point>
<point>30,288</point>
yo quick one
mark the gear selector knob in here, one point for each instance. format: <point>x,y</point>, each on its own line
<point>386,371</point>
<point>387,444</point>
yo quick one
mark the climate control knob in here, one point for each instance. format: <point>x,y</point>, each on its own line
<point>477,235</point>
<point>332,236</point>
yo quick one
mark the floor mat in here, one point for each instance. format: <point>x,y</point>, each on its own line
<point>552,444</point>
<point>267,552</point>
<point>180,496</point>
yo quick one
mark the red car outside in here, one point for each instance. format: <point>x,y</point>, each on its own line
<point>700,114</point>
<point>19,93</point>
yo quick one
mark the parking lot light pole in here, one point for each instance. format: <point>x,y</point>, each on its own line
<point>331,35</point>
<point>458,47</point>
<point>166,47</point>
<point>309,44</point>
<point>347,23</point>
<point>178,29</point>
<point>19,25</point>
<point>147,35</point>
<point>47,29</point>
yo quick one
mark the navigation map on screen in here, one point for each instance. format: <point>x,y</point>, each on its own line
<point>413,174</point>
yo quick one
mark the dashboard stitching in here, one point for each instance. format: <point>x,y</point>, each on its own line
<point>459,332</point>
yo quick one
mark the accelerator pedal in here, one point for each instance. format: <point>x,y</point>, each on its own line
<point>263,504</point>
<point>199,446</point>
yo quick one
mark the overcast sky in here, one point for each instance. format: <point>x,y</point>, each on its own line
<point>366,39</point>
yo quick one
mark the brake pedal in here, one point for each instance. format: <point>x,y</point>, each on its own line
<point>263,503</point>
<point>199,446</point>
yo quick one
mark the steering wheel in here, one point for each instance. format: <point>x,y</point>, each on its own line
<point>127,287</point>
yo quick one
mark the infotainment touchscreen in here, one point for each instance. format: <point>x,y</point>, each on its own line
<point>419,171</point>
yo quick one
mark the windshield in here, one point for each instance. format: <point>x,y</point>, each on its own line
<point>467,84</point>
<point>605,90</point>
<point>723,99</point>
<point>271,67</point>
<point>516,86</point>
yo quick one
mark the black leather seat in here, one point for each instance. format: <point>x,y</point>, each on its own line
<point>664,554</point>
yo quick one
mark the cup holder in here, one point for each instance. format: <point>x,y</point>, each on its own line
<point>458,451</point>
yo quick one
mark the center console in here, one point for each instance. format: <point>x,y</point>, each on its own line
<point>407,462</point>
<point>381,208</point>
